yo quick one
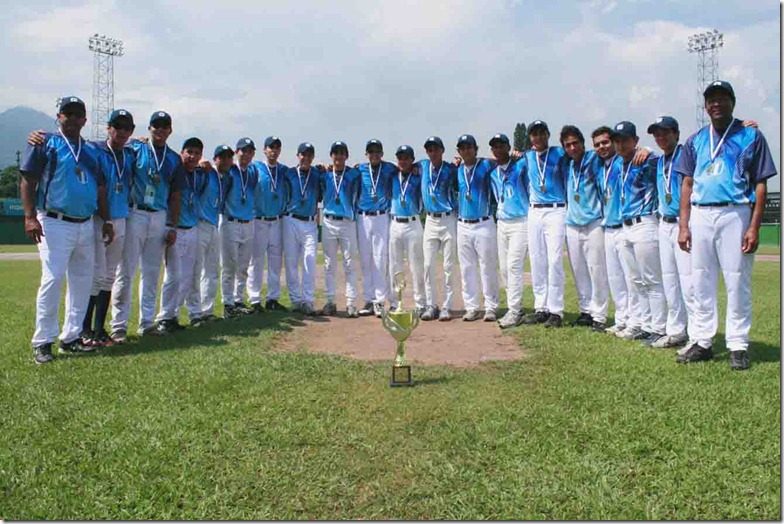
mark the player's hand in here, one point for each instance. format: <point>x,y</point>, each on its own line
<point>171,237</point>
<point>684,239</point>
<point>143,139</point>
<point>108,233</point>
<point>36,138</point>
<point>516,154</point>
<point>751,123</point>
<point>750,241</point>
<point>457,160</point>
<point>205,164</point>
<point>640,156</point>
<point>33,229</point>
<point>356,166</point>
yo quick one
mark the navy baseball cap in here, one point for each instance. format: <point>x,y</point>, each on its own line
<point>663,122</point>
<point>405,150</point>
<point>373,142</point>
<point>466,139</point>
<point>434,141</point>
<point>537,123</point>
<point>337,146</point>
<point>244,142</point>
<point>624,129</point>
<point>223,148</point>
<point>117,114</point>
<point>271,141</point>
<point>499,137</point>
<point>161,117</point>
<point>69,100</point>
<point>720,85</point>
<point>193,142</point>
<point>304,147</point>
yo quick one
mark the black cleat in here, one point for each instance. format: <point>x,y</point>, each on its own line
<point>43,354</point>
<point>75,346</point>
<point>598,327</point>
<point>257,308</point>
<point>554,321</point>
<point>695,353</point>
<point>538,317</point>
<point>739,360</point>
<point>584,319</point>
<point>229,311</point>
<point>274,305</point>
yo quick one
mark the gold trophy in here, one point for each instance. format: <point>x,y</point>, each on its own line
<point>400,324</point>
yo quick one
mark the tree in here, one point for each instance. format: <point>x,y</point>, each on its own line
<point>9,182</point>
<point>521,138</point>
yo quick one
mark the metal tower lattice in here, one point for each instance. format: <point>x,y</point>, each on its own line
<point>706,45</point>
<point>104,50</point>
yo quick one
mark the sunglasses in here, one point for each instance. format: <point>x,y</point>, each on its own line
<point>123,127</point>
<point>375,152</point>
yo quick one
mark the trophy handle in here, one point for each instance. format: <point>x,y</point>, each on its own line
<point>415,319</point>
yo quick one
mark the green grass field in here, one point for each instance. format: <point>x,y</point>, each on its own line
<point>215,424</point>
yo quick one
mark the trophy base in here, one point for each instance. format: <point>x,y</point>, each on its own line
<point>401,376</point>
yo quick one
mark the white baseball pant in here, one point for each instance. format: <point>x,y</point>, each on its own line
<point>405,240</point>
<point>66,251</point>
<point>717,237</point>
<point>373,236</point>
<point>617,275</point>
<point>236,240</point>
<point>585,245</point>
<point>179,268</point>
<point>300,241</point>
<point>641,252</point>
<point>546,232</point>
<point>512,248</point>
<point>440,234</point>
<point>207,267</point>
<point>477,249</point>
<point>267,250</point>
<point>340,234</point>
<point>677,279</point>
<point>144,238</point>
<point>107,258</point>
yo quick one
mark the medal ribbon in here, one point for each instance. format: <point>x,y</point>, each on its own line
<point>468,179</point>
<point>542,167</point>
<point>668,173</point>
<point>335,182</point>
<point>624,176</point>
<point>606,170</point>
<point>159,165</point>
<point>374,181</point>
<point>404,187</point>
<point>243,181</point>
<point>116,164</point>
<point>434,185</point>
<point>71,149</point>
<point>576,180</point>
<point>273,178</point>
<point>715,151</point>
<point>302,187</point>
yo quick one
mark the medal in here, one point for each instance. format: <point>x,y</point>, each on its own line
<point>576,179</point>
<point>75,155</point>
<point>667,174</point>
<point>375,198</point>
<point>668,198</point>
<point>120,170</point>
<point>623,199</point>
<point>156,179</point>
<point>374,181</point>
<point>337,185</point>
<point>337,200</point>
<point>274,196</point>
<point>542,169</point>
<point>118,187</point>
<point>502,199</point>
<point>543,188</point>
<point>404,187</point>
<point>243,184</point>
<point>434,183</point>
<point>468,197</point>
<point>303,186</point>
<point>243,199</point>
<point>577,198</point>
<point>79,171</point>
<point>468,180</point>
<point>433,199</point>
<point>606,199</point>
<point>158,165</point>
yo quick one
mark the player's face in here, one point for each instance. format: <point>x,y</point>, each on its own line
<point>467,152</point>
<point>625,145</point>
<point>120,131</point>
<point>272,153</point>
<point>190,157</point>
<point>160,132</point>
<point>719,105</point>
<point>339,158</point>
<point>574,147</point>
<point>305,159</point>
<point>72,119</point>
<point>539,138</point>
<point>374,155</point>
<point>500,151</point>
<point>666,139</point>
<point>245,155</point>
<point>404,163</point>
<point>435,153</point>
<point>603,146</point>
<point>224,161</point>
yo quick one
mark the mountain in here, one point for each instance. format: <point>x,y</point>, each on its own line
<point>15,124</point>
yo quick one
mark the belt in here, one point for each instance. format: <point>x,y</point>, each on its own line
<point>336,217</point>
<point>185,228</point>
<point>617,226</point>
<point>241,221</point>
<point>635,220</point>
<point>66,218</point>
<point>538,206</point>
<point>472,220</point>
<point>440,215</point>
<point>144,208</point>
<point>270,219</point>
<point>717,204</point>
<point>372,213</point>
<point>301,217</point>
<point>670,220</point>
<point>404,220</point>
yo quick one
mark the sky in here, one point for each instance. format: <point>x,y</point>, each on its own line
<point>396,70</point>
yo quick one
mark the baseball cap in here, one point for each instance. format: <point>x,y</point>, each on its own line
<point>663,122</point>
<point>193,142</point>
<point>244,142</point>
<point>118,114</point>
<point>405,150</point>
<point>338,145</point>
<point>69,100</point>
<point>304,147</point>
<point>499,137</point>
<point>719,85</point>
<point>161,116</point>
<point>222,149</point>
<point>271,141</point>
<point>466,139</point>
<point>373,142</point>
<point>537,123</point>
<point>624,129</point>
<point>434,140</point>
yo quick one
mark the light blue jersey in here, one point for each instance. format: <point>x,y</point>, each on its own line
<point>546,175</point>
<point>376,190</point>
<point>210,195</point>
<point>609,177</point>
<point>668,184</point>
<point>189,206</point>
<point>269,196</point>
<point>340,192</point>
<point>238,188</point>
<point>439,187</point>
<point>117,167</point>
<point>65,186</point>
<point>302,191</point>
<point>583,191</point>
<point>742,160</point>
<point>406,195</point>
<point>510,189</point>
<point>157,171</point>
<point>474,197</point>
<point>638,187</point>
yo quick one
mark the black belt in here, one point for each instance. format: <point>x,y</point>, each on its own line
<point>440,215</point>
<point>336,217</point>
<point>717,204</point>
<point>301,217</point>
<point>670,220</point>
<point>635,220</point>
<point>185,228</point>
<point>538,206</point>
<point>66,218</point>
<point>472,220</point>
<point>372,213</point>
<point>618,226</point>
<point>144,208</point>
<point>241,221</point>
<point>404,220</point>
<point>270,219</point>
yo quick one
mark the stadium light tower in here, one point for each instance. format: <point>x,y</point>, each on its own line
<point>706,45</point>
<point>104,50</point>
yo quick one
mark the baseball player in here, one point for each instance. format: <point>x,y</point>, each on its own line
<point>641,239</point>
<point>269,199</point>
<point>62,187</point>
<point>439,193</point>
<point>584,232</point>
<point>725,168</point>
<point>476,232</point>
<point>180,258</point>
<point>373,227</point>
<point>236,228</point>
<point>405,228</point>
<point>157,181</point>
<point>546,226</point>
<point>340,188</point>
<point>300,229</point>
<point>509,182</point>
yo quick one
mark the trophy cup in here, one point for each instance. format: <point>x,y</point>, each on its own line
<point>400,324</point>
